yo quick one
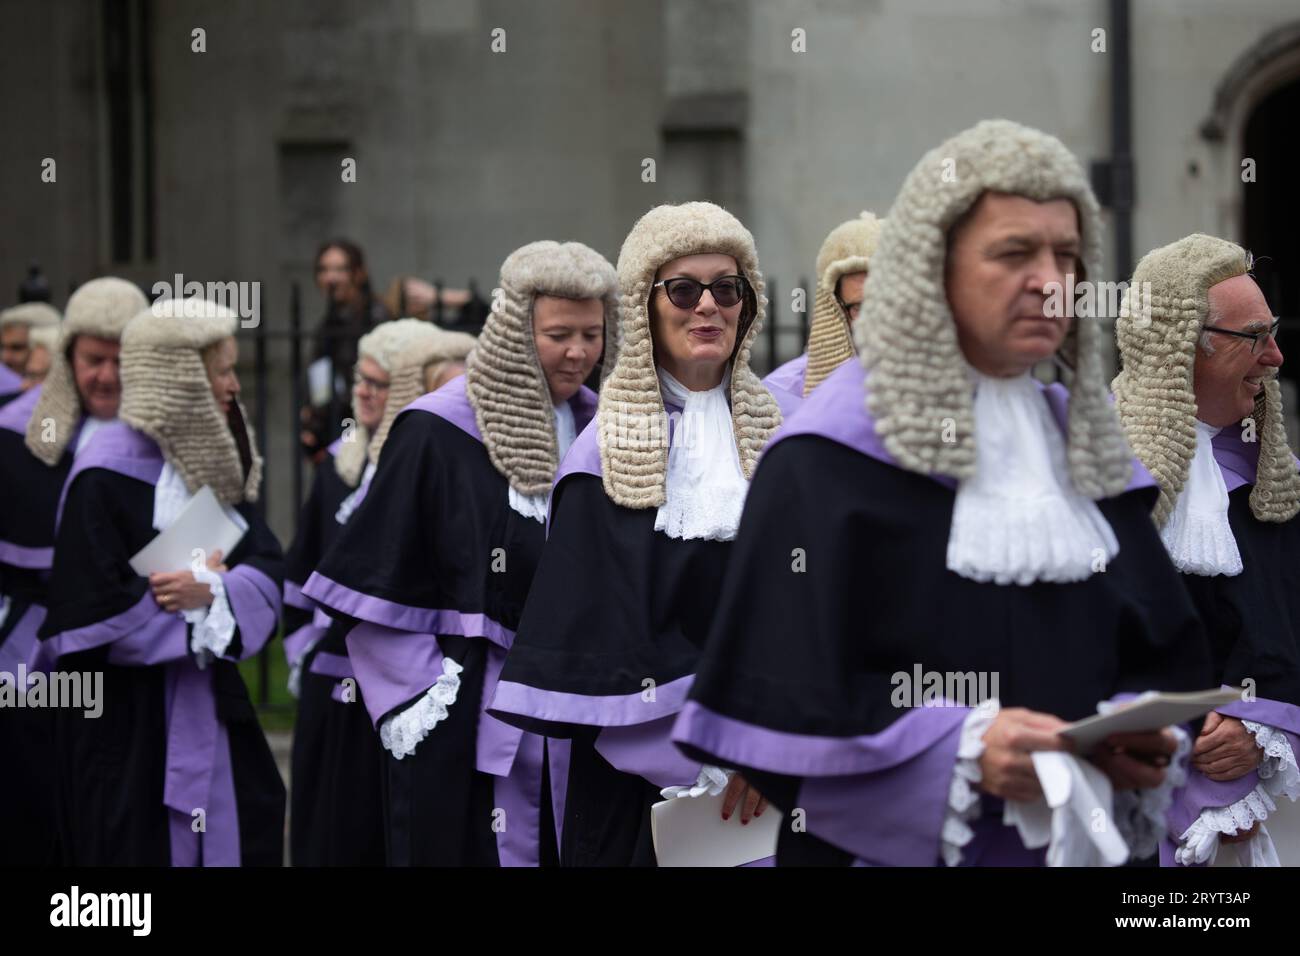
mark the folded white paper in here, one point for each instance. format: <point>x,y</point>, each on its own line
<point>202,525</point>
<point>1146,712</point>
<point>690,831</point>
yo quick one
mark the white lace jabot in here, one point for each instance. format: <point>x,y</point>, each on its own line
<point>1197,535</point>
<point>566,430</point>
<point>1019,519</point>
<point>705,487</point>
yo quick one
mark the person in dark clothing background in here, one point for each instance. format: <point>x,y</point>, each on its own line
<point>351,311</point>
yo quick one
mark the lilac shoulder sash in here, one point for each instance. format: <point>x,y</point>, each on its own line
<point>120,448</point>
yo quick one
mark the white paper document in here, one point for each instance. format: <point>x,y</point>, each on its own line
<point>690,831</point>
<point>1149,711</point>
<point>320,381</point>
<point>202,524</point>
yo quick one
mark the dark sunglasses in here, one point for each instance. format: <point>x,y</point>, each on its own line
<point>685,292</point>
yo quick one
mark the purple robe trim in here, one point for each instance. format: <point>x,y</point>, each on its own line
<point>1275,713</point>
<point>134,619</point>
<point>559,752</point>
<point>403,617</point>
<point>805,755</point>
<point>10,381</point>
<point>647,750</point>
<point>392,666</point>
<point>452,403</point>
<point>837,410</point>
<point>15,415</point>
<point>584,454</point>
<point>199,775</point>
<point>120,448</point>
<point>894,816</point>
<point>518,795</point>
<point>789,377</point>
<point>33,559</point>
<point>298,643</point>
<point>613,710</point>
<point>331,665</point>
<point>1238,459</point>
<point>293,596</point>
<point>21,646</point>
<point>255,603</point>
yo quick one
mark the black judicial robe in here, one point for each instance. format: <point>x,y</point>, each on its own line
<point>607,648</point>
<point>838,583</point>
<point>431,573</point>
<point>28,499</point>
<point>176,769</point>
<point>336,801</point>
<point>1253,623</point>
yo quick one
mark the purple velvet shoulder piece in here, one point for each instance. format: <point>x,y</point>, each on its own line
<point>116,447</point>
<point>583,456</point>
<point>789,376</point>
<point>1237,459</point>
<point>584,407</point>
<point>452,403</point>
<point>786,400</point>
<point>10,381</point>
<point>15,415</point>
<point>333,448</point>
<point>1058,400</point>
<point>837,410</point>
<point>1275,713</point>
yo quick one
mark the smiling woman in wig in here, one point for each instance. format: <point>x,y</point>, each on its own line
<point>644,519</point>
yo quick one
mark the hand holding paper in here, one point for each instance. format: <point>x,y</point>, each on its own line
<point>203,526</point>
<point>180,590</point>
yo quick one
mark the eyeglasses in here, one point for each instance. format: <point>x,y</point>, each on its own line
<point>359,380</point>
<point>1258,340</point>
<point>685,292</point>
<point>850,310</point>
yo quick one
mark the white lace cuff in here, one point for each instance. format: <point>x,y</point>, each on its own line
<point>963,796</point>
<point>712,781</point>
<point>213,626</point>
<point>1200,842</point>
<point>400,733</point>
<point>1278,775</point>
<point>1140,814</point>
<point>1278,772</point>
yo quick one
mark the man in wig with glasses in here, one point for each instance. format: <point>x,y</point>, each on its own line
<point>1200,402</point>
